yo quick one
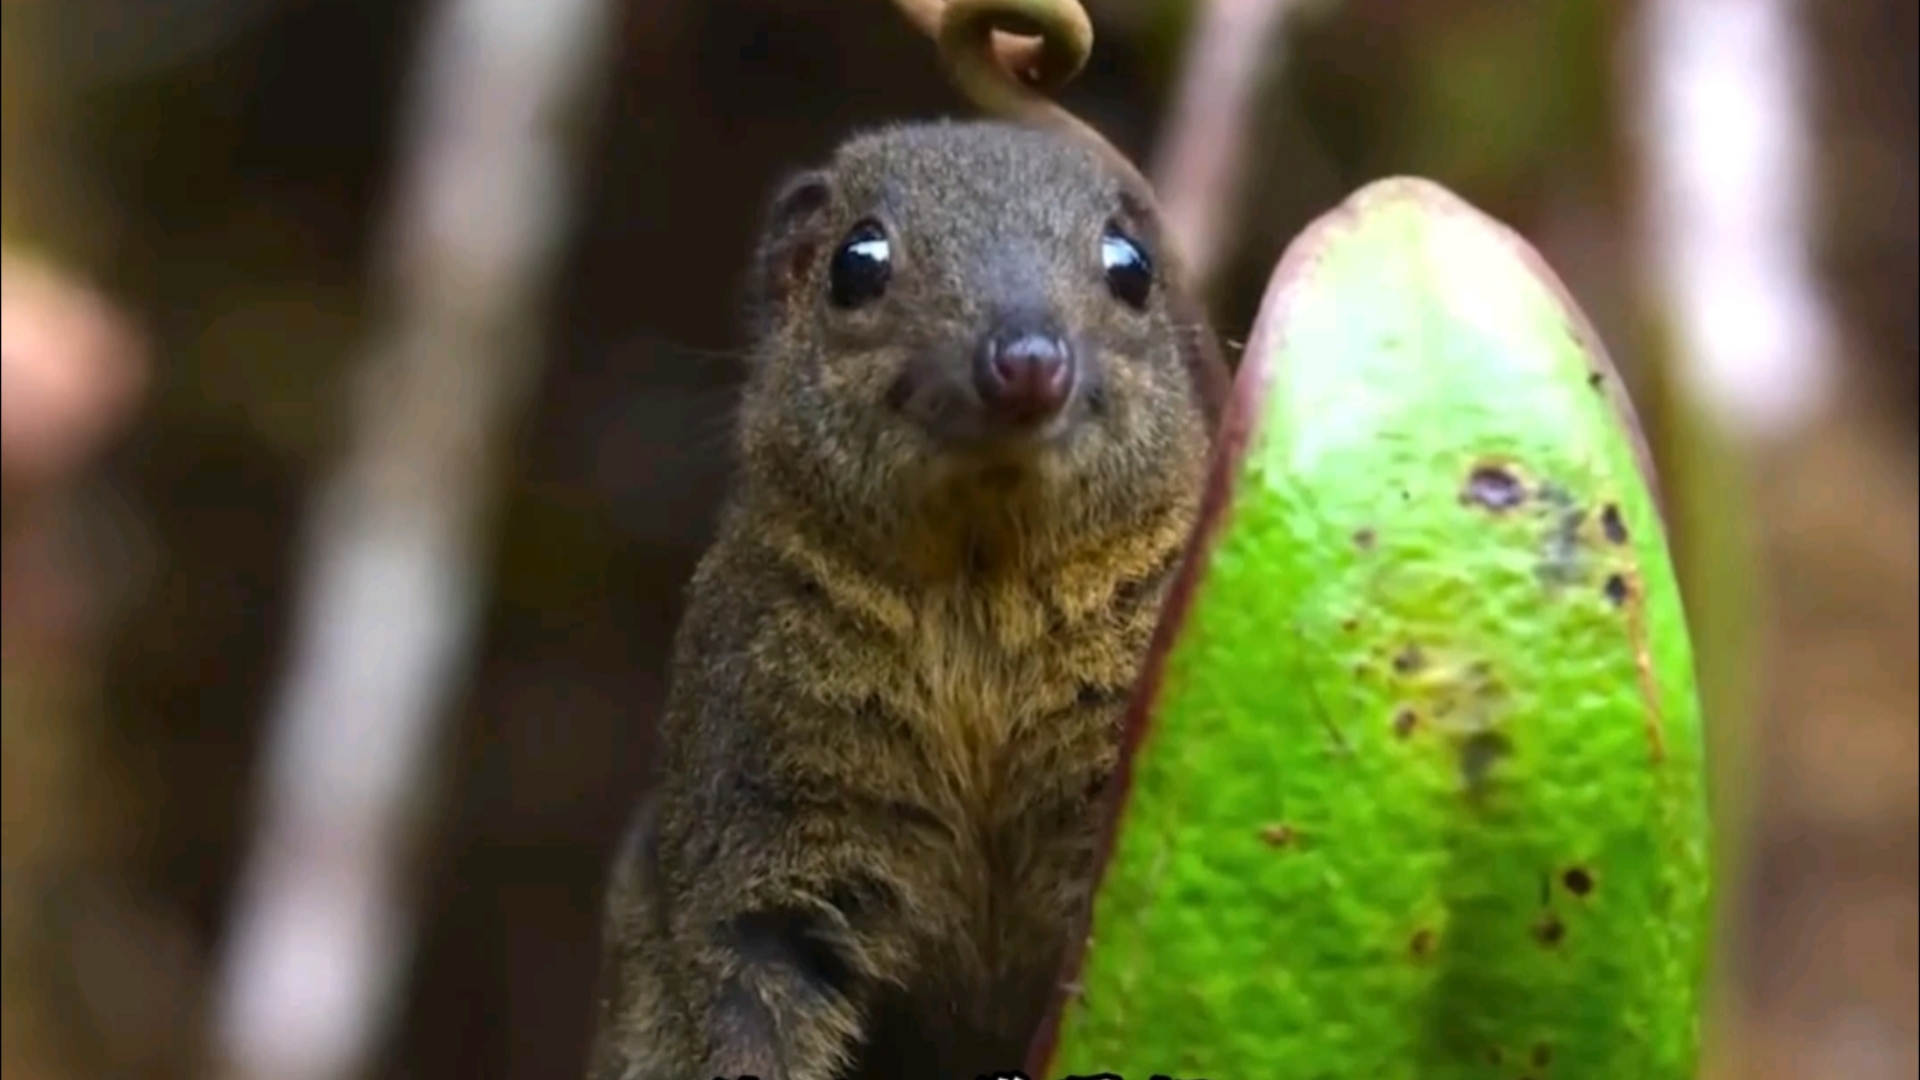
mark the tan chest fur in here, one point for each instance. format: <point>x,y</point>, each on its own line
<point>990,679</point>
<point>979,679</point>
<point>992,699</point>
<point>987,703</point>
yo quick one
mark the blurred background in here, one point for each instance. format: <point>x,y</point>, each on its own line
<point>366,382</point>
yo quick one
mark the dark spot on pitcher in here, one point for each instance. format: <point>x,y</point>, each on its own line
<point>1578,880</point>
<point>1479,754</point>
<point>1550,931</point>
<point>1613,525</point>
<point>1493,487</point>
<point>1617,590</point>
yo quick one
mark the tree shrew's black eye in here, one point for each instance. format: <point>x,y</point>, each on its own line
<point>861,266</point>
<point>1129,272</point>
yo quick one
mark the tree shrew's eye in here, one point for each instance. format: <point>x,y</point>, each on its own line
<point>1129,272</point>
<point>861,266</point>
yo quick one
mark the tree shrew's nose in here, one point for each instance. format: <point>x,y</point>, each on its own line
<point>1024,371</point>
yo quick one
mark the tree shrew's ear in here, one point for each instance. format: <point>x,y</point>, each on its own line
<point>790,238</point>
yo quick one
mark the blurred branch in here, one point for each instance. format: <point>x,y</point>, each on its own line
<point>1722,98</point>
<point>1735,352</point>
<point>394,554</point>
<point>1199,165</point>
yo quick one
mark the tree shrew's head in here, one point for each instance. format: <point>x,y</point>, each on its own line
<point>976,317</point>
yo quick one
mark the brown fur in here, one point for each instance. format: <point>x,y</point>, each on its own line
<point>896,686</point>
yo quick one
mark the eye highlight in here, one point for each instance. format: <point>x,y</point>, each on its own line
<point>861,267</point>
<point>1129,271</point>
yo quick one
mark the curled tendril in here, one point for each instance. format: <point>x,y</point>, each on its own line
<point>1006,56</point>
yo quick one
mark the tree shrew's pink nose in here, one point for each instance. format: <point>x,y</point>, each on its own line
<point>1024,373</point>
